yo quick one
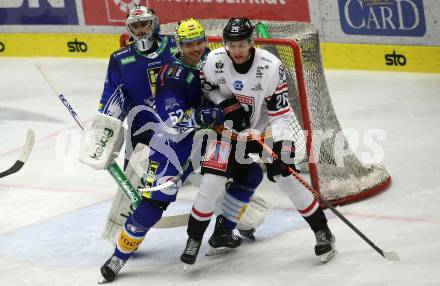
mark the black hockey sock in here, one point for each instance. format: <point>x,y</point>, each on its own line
<point>317,220</point>
<point>197,228</point>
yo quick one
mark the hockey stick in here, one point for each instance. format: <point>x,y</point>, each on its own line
<point>389,255</point>
<point>114,169</point>
<point>25,152</point>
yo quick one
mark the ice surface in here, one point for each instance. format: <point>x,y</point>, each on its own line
<point>53,210</point>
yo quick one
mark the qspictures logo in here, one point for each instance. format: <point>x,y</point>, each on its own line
<point>383,17</point>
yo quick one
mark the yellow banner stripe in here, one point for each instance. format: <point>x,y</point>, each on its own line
<point>335,55</point>
<point>58,45</point>
<point>375,57</point>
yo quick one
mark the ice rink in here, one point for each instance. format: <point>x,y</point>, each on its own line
<point>53,210</point>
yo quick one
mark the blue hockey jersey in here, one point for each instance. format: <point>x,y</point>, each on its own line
<point>131,81</point>
<point>178,90</point>
<point>178,93</point>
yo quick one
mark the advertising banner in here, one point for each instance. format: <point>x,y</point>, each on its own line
<point>113,12</point>
<point>383,17</point>
<point>58,45</point>
<point>38,12</point>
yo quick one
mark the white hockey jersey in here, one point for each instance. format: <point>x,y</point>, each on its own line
<point>262,91</point>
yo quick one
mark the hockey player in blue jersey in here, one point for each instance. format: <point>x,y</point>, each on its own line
<point>130,82</point>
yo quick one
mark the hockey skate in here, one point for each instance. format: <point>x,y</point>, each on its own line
<point>325,245</point>
<point>249,234</point>
<point>110,269</point>
<point>222,240</point>
<point>190,252</point>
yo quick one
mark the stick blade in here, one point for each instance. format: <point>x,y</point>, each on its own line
<point>30,140</point>
<point>165,185</point>
<point>391,256</point>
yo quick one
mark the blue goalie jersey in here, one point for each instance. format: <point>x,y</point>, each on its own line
<point>131,82</point>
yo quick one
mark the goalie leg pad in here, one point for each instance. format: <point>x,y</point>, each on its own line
<point>121,207</point>
<point>254,215</point>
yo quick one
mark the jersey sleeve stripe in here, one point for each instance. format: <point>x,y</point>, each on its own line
<point>279,112</point>
<point>281,86</point>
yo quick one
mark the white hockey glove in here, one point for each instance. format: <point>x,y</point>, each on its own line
<point>101,140</point>
<point>255,213</point>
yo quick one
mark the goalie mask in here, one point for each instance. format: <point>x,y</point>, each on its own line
<point>142,24</point>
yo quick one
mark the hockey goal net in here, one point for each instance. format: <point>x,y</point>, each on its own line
<point>325,155</point>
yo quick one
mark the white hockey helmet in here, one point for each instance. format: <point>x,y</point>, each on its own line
<point>138,14</point>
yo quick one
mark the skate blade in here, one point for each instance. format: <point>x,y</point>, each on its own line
<point>326,257</point>
<point>218,251</point>
<point>102,280</point>
<point>187,267</point>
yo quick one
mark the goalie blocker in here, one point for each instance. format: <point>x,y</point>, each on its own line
<point>101,141</point>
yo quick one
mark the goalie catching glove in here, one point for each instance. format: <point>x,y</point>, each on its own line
<point>100,141</point>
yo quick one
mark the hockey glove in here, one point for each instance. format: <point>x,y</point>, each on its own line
<point>207,117</point>
<point>286,152</point>
<point>235,112</point>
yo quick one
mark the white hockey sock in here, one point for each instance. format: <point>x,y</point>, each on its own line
<point>210,188</point>
<point>233,208</point>
<point>303,200</point>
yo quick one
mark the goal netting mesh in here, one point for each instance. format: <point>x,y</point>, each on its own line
<point>321,146</point>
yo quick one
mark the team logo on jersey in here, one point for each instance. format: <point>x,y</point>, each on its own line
<point>260,70</point>
<point>217,155</point>
<point>282,74</point>
<point>152,72</point>
<point>177,74</point>
<point>247,102</point>
<point>154,63</point>
<point>219,65</point>
<point>257,87</point>
<point>238,85</point>
<point>134,229</point>
<point>221,80</point>
<point>128,60</point>
<point>170,72</point>
<point>153,55</point>
<point>170,103</point>
<point>149,178</point>
<point>190,78</point>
